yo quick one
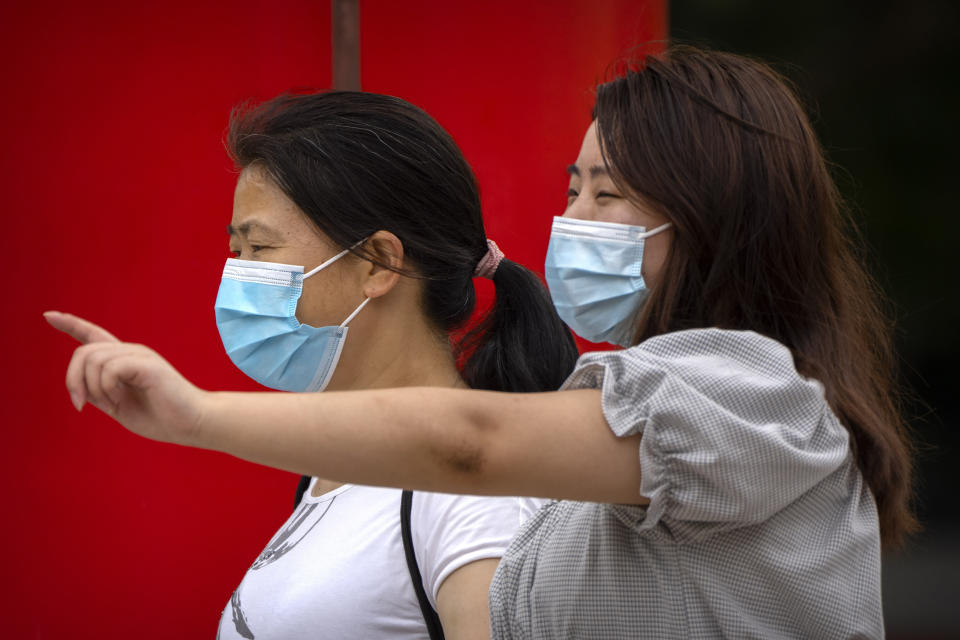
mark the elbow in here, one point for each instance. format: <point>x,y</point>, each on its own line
<point>466,461</point>
<point>467,444</point>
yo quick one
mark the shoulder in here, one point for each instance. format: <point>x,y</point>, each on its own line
<point>700,376</point>
<point>707,350</point>
<point>451,531</point>
<point>733,344</point>
<point>700,357</point>
<point>442,507</point>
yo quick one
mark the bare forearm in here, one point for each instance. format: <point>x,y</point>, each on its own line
<point>553,445</point>
<point>420,438</point>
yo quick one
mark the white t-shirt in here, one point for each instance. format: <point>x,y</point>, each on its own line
<point>337,569</point>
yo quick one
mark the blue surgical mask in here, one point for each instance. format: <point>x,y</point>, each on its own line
<point>593,270</point>
<point>256,315</point>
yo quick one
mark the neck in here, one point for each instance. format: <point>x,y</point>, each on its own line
<point>407,353</point>
<point>404,356</point>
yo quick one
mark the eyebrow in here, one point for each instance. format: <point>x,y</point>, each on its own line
<point>247,226</point>
<point>595,170</point>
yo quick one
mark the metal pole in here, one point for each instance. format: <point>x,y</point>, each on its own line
<point>345,25</point>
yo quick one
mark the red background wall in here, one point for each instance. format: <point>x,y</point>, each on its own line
<point>115,194</point>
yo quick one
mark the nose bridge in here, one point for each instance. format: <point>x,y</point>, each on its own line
<point>582,208</point>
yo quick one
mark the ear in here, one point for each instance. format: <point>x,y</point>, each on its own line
<point>386,249</point>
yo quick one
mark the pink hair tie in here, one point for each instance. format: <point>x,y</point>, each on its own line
<point>489,262</point>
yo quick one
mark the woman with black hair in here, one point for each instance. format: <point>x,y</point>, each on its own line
<point>733,472</point>
<point>357,233</point>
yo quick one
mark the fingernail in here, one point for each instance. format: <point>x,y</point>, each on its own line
<point>77,402</point>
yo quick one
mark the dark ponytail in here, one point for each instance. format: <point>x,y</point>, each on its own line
<point>356,163</point>
<point>518,344</point>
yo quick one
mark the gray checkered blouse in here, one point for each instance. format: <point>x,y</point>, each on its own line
<point>759,523</point>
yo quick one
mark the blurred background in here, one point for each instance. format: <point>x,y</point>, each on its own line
<point>881,80</point>
<point>116,191</point>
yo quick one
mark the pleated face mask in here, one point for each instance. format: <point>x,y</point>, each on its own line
<point>256,315</point>
<point>593,270</point>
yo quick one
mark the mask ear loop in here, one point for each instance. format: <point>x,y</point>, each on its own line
<point>330,262</point>
<point>355,312</point>
<point>653,232</point>
<point>334,259</point>
<point>327,263</point>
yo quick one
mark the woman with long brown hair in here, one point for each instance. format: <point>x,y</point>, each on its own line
<point>732,472</point>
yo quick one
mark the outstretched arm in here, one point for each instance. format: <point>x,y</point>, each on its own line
<point>554,445</point>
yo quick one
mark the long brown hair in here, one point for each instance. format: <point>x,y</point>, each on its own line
<point>720,145</point>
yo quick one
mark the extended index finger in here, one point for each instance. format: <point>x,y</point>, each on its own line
<point>82,330</point>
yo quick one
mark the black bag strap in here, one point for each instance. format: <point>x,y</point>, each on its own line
<point>430,617</point>
<point>302,487</point>
<point>434,628</point>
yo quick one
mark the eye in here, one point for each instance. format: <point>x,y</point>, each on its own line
<point>256,247</point>
<point>604,194</point>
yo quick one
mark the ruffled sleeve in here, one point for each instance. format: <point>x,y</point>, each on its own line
<point>732,433</point>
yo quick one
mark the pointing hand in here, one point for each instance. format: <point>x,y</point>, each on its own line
<point>129,382</point>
